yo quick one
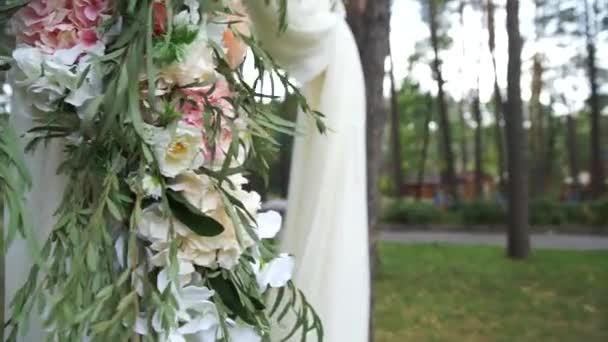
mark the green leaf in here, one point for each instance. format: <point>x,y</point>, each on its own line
<point>193,218</point>
<point>113,209</point>
<point>230,297</point>
<point>9,5</point>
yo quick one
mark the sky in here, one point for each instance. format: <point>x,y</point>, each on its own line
<point>462,70</point>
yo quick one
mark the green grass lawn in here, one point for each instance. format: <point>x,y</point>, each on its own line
<point>468,294</point>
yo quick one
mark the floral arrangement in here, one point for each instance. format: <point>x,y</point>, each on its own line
<point>158,237</point>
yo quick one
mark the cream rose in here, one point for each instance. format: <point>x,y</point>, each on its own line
<point>177,149</point>
<point>196,67</point>
<point>222,250</point>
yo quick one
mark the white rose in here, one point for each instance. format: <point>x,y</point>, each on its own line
<point>197,66</point>
<point>199,190</point>
<point>222,250</point>
<point>178,149</point>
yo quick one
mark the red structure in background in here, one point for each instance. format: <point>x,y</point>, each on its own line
<point>430,188</point>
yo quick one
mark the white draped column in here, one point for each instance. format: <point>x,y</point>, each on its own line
<point>326,225</point>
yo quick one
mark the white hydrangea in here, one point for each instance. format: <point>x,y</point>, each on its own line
<point>46,79</point>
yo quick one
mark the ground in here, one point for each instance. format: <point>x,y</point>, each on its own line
<point>431,292</point>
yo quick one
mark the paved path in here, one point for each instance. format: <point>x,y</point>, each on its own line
<point>546,241</point>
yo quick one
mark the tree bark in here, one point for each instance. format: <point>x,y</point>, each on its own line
<point>464,151</point>
<point>498,102</point>
<point>464,155</point>
<point>369,21</point>
<point>537,131</point>
<point>550,148</point>
<point>395,136</point>
<point>371,30</point>
<point>572,147</point>
<point>518,244</point>
<point>596,167</point>
<point>448,173</point>
<point>426,135</point>
<point>478,148</point>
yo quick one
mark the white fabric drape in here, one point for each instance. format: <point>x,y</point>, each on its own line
<point>326,225</point>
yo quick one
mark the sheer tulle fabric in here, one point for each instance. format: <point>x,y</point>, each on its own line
<point>326,226</point>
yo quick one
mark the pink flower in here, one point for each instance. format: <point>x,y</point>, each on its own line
<point>60,24</point>
<point>197,98</point>
<point>216,150</point>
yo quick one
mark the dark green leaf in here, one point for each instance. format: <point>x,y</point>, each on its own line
<point>193,218</point>
<point>230,297</point>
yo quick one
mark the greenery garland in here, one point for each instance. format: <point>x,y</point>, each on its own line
<point>156,238</point>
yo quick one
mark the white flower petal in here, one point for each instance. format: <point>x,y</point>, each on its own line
<point>119,247</point>
<point>191,295</point>
<point>141,325</point>
<point>200,323</point>
<point>178,149</point>
<point>277,272</point>
<point>269,224</point>
<point>29,61</point>
<point>68,56</point>
<point>243,333</point>
<point>162,280</point>
<point>152,186</point>
<point>176,337</point>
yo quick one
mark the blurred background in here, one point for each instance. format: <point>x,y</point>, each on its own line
<point>487,163</point>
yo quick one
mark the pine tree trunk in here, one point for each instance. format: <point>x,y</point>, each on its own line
<point>448,173</point>
<point>464,155</point>
<point>596,168</point>
<point>537,134</point>
<point>498,102</point>
<point>371,29</point>
<point>478,148</point>
<point>395,136</point>
<point>518,244</point>
<point>369,21</point>
<point>572,146</point>
<point>550,148</point>
<point>426,137</point>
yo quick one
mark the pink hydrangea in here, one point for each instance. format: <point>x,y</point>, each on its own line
<point>60,24</point>
<point>199,97</point>
<point>193,110</point>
